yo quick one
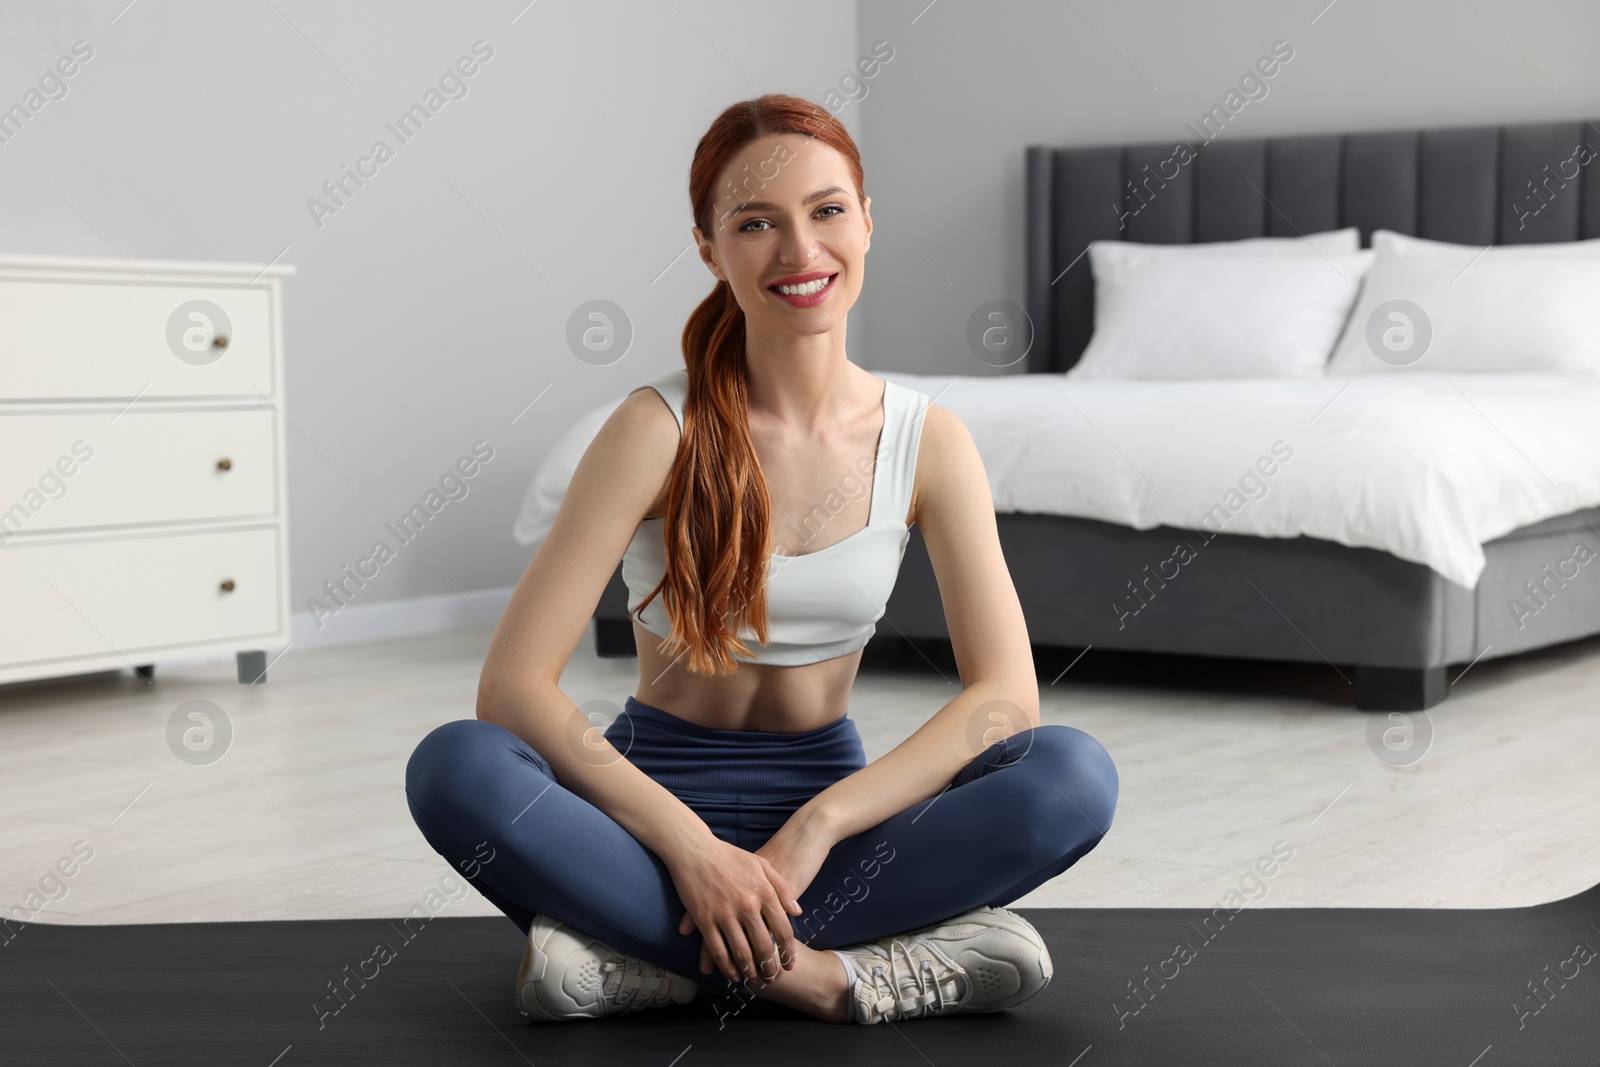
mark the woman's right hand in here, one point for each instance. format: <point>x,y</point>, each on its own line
<point>740,904</point>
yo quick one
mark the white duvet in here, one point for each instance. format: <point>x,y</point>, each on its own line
<point>1425,467</point>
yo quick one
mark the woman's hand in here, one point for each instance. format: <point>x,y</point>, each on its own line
<point>739,902</point>
<point>794,854</point>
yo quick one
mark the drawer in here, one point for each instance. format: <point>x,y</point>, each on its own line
<point>61,471</point>
<point>62,340</point>
<point>136,593</point>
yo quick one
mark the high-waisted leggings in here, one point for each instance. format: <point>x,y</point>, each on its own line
<point>1019,813</point>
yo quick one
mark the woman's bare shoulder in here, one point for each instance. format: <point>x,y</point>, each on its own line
<point>943,434</point>
<point>639,442</point>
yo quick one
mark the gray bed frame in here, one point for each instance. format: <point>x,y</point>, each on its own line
<point>1397,626</point>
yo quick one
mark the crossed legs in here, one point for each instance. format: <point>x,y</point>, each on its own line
<point>1017,815</point>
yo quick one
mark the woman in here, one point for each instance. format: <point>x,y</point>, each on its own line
<point>727,818</point>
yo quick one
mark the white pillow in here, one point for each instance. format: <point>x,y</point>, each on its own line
<point>1325,242</point>
<point>1435,307</point>
<point>1195,311</point>
<point>548,487</point>
<point>1404,244</point>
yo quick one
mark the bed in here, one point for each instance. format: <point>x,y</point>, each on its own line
<point>1424,509</point>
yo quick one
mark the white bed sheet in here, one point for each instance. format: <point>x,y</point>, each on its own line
<point>1425,467</point>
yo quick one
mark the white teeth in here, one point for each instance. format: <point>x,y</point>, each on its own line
<point>806,289</point>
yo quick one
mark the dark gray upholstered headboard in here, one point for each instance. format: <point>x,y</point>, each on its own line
<point>1473,185</point>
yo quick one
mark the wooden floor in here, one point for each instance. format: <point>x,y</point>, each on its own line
<point>305,816</point>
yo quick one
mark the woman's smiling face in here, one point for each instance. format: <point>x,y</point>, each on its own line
<point>786,211</point>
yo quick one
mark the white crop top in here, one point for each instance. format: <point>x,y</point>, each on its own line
<point>824,603</point>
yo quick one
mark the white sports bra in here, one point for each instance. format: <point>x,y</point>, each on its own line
<point>820,604</point>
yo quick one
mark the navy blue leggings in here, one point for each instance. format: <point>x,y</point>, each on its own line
<point>1018,814</point>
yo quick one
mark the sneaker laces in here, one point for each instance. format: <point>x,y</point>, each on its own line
<point>638,983</point>
<point>893,992</point>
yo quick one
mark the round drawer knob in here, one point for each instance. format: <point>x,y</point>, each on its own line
<point>224,464</point>
<point>227,585</point>
<point>220,341</point>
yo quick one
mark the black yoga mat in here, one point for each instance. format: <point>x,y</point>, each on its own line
<point>1281,986</point>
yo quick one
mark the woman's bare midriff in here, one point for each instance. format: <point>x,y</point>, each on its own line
<point>758,696</point>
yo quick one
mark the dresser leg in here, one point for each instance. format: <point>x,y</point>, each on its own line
<point>252,667</point>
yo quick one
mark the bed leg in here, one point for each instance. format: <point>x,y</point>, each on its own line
<point>1399,688</point>
<point>614,638</point>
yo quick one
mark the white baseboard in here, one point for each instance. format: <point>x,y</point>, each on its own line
<point>398,618</point>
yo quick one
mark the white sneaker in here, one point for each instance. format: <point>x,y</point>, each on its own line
<point>987,959</point>
<point>566,974</point>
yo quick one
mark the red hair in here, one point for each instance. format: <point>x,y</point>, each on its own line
<point>718,516</point>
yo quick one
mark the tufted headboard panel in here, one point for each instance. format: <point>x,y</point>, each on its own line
<point>1471,185</point>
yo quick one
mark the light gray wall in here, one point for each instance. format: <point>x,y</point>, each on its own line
<point>416,325</point>
<point>972,83</point>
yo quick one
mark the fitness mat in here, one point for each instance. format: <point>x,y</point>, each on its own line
<point>1270,986</point>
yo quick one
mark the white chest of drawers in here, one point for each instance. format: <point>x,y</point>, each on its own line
<point>143,505</point>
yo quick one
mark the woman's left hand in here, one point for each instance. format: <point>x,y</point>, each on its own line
<point>796,854</point>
